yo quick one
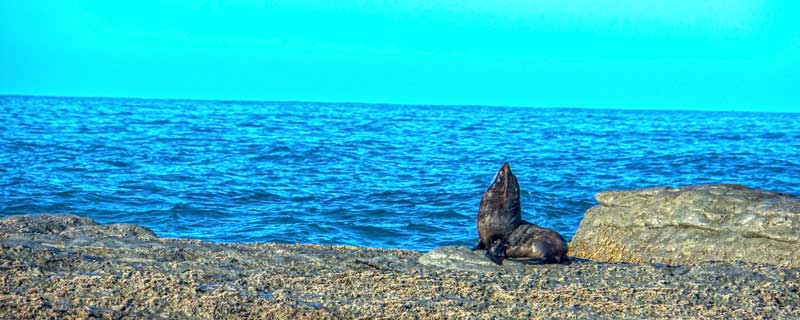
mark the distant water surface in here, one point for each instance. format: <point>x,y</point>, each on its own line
<point>368,175</point>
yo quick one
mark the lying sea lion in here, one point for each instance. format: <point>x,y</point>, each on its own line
<point>503,233</point>
<point>530,243</point>
<point>500,211</point>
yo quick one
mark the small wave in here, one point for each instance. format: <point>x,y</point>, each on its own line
<point>184,210</point>
<point>70,169</point>
<point>279,149</point>
<point>256,196</point>
<point>377,231</point>
<point>13,181</point>
<point>265,158</point>
<point>451,214</point>
<point>28,208</point>
<point>772,135</point>
<point>303,198</point>
<point>157,122</point>
<point>115,163</point>
<point>428,228</point>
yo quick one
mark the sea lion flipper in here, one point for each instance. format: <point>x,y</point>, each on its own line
<point>497,252</point>
<point>496,259</point>
<point>479,246</point>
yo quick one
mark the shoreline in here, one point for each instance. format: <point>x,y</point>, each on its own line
<point>66,266</point>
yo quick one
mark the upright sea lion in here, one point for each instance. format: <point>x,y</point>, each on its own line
<point>503,233</point>
<point>499,211</point>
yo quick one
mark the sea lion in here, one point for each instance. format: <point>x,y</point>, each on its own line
<point>499,213</point>
<point>530,243</point>
<point>503,233</point>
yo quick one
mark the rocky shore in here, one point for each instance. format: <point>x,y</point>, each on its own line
<point>69,267</point>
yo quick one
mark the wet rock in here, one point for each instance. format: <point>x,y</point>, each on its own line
<point>687,225</point>
<point>76,228</point>
<point>42,223</point>
<point>118,230</point>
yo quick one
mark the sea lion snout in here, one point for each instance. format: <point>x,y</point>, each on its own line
<point>505,168</point>
<point>502,172</point>
<point>505,182</point>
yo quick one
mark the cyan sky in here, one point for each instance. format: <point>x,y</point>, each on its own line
<point>708,55</point>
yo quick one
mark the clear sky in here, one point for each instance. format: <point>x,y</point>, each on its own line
<point>710,55</point>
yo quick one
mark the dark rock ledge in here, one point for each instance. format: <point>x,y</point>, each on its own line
<point>65,266</point>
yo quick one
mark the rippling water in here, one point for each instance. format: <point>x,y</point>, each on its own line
<point>368,175</point>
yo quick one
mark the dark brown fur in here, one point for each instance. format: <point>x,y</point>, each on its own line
<point>529,241</point>
<point>500,210</point>
<point>503,233</point>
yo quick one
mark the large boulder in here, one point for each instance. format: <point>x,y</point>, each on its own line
<point>680,226</point>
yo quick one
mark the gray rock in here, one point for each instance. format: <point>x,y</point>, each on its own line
<point>463,259</point>
<point>680,226</point>
<point>118,230</point>
<point>42,223</point>
<point>71,226</point>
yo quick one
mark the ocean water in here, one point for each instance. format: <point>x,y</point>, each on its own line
<point>357,174</point>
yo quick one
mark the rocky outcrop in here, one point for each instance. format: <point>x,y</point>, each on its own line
<point>69,225</point>
<point>681,226</point>
<point>42,223</point>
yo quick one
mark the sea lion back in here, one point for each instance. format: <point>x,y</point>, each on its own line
<point>530,241</point>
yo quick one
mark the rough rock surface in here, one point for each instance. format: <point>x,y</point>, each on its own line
<point>67,267</point>
<point>464,259</point>
<point>680,226</point>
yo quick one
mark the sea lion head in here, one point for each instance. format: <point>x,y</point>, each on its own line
<point>503,194</point>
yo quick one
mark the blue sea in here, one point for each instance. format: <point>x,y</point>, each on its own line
<point>391,176</point>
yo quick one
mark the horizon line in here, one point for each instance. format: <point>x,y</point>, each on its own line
<point>245,100</point>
